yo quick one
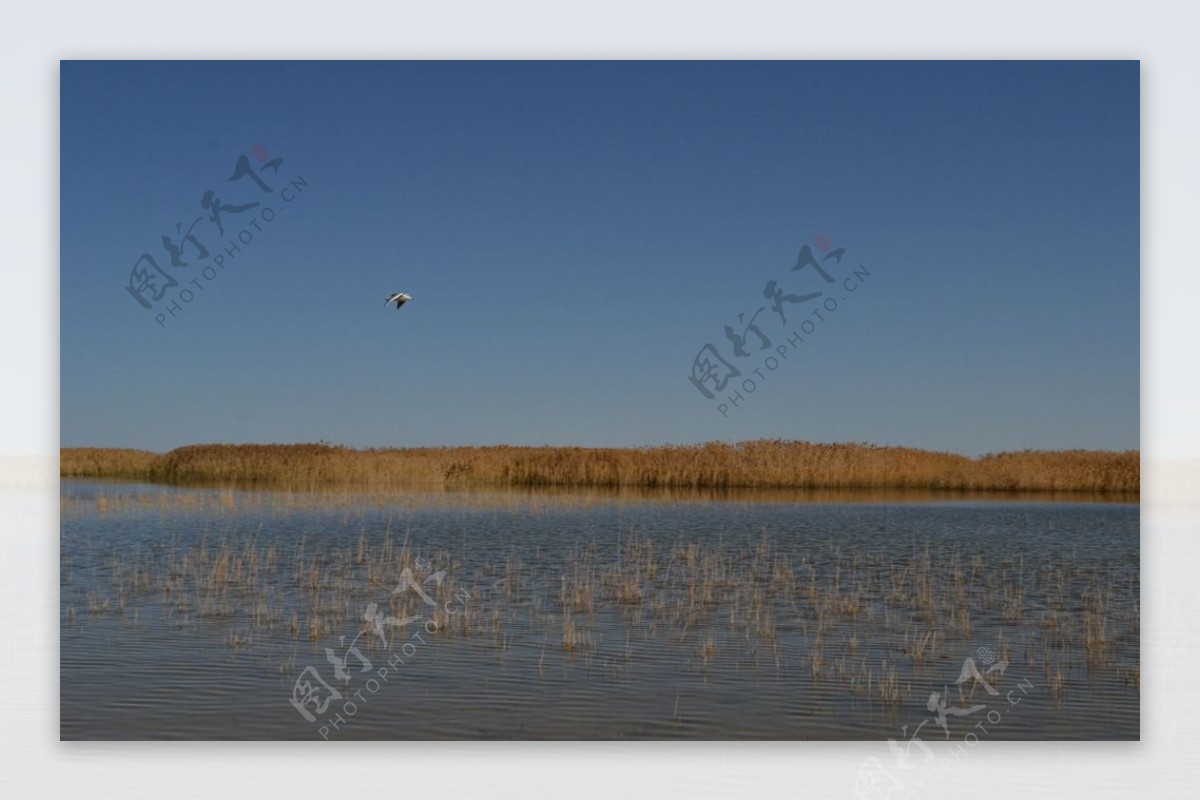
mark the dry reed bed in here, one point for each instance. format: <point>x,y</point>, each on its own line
<point>758,464</point>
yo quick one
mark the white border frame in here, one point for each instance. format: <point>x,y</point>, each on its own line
<point>1161,34</point>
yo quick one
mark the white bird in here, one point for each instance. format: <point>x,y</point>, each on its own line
<point>399,298</point>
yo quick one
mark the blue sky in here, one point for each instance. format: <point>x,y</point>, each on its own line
<point>575,232</point>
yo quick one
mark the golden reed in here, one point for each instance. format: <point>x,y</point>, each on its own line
<point>757,464</point>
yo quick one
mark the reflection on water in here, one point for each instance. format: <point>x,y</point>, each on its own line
<point>76,491</point>
<point>205,612</point>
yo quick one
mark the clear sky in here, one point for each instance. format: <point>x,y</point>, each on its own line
<point>574,233</point>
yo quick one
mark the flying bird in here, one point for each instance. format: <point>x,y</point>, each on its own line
<point>837,254</point>
<point>399,298</point>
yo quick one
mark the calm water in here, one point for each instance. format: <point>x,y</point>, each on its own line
<point>203,613</point>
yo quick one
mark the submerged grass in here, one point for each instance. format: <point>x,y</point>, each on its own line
<point>763,464</point>
<point>870,622</point>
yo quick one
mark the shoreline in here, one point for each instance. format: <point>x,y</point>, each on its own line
<point>764,465</point>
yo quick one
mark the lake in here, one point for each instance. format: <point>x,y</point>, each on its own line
<point>221,613</point>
